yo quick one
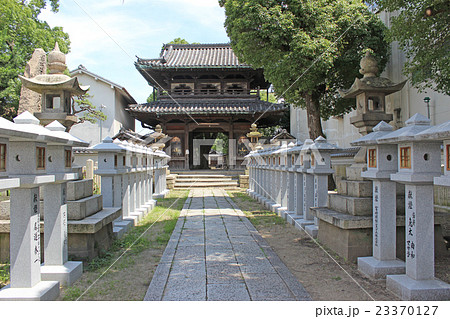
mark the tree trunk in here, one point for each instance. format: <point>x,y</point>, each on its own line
<point>313,113</point>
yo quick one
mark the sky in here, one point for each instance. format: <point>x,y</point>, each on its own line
<point>107,35</point>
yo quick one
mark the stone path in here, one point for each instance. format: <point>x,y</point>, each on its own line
<point>215,253</point>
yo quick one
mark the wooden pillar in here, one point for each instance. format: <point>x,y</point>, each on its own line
<point>186,146</point>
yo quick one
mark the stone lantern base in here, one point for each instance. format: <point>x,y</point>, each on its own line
<point>365,122</point>
<point>43,291</point>
<point>409,289</point>
<point>66,120</point>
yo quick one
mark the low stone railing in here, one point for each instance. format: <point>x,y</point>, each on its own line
<point>292,178</point>
<point>36,163</point>
<point>133,176</point>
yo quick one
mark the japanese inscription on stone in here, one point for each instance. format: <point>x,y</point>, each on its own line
<point>36,234</point>
<point>376,207</point>
<point>410,225</point>
<point>316,191</point>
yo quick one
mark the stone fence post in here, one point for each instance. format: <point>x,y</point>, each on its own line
<point>36,156</point>
<point>320,169</point>
<point>419,163</point>
<point>382,161</point>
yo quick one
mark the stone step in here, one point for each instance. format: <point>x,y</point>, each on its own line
<point>204,184</point>
<point>79,189</point>
<point>85,207</point>
<point>361,188</point>
<point>355,188</point>
<point>95,222</point>
<point>207,180</point>
<point>203,177</point>
<point>357,206</point>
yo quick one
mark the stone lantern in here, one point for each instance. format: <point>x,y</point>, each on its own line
<point>440,133</point>
<point>382,161</point>
<point>307,185</point>
<point>290,183</point>
<point>158,135</point>
<point>254,136</point>
<point>57,90</point>
<point>419,162</point>
<point>370,93</point>
<point>320,169</point>
<point>59,163</point>
<point>27,161</point>
<point>297,189</point>
<point>109,167</point>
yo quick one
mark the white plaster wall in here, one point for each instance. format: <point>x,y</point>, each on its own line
<point>338,130</point>
<point>122,117</point>
<point>408,100</point>
<point>102,94</point>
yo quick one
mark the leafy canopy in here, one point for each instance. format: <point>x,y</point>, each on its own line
<point>21,32</point>
<point>307,48</point>
<point>422,29</point>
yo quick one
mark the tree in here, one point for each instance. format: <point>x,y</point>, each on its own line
<point>22,32</point>
<point>421,28</point>
<point>308,48</point>
<point>178,41</point>
<point>88,112</point>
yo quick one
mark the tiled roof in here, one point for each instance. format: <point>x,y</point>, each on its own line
<point>207,107</point>
<point>194,56</point>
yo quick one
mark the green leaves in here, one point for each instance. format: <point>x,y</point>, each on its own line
<point>21,33</point>
<point>306,47</point>
<point>422,31</point>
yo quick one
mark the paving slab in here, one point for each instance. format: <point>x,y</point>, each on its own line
<point>215,253</point>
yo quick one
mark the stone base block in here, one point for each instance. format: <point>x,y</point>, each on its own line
<point>379,269</point>
<point>347,243</point>
<point>151,203</point>
<point>292,218</point>
<point>43,291</point>
<point>138,214</point>
<point>407,288</point>
<point>281,211</point>
<point>301,223</point>
<point>274,207</point>
<point>118,232</point>
<point>66,274</point>
<point>86,246</point>
<point>287,214</point>
<point>312,230</point>
<point>125,223</point>
<point>162,194</point>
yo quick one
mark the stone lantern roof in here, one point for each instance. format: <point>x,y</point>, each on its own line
<point>380,130</point>
<point>55,80</point>
<point>416,124</point>
<point>370,81</point>
<point>370,93</point>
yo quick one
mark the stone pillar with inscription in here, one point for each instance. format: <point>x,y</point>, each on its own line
<point>320,169</point>
<point>308,186</point>
<point>382,161</point>
<point>419,163</point>
<point>149,176</point>
<point>295,186</point>
<point>282,173</point>
<point>26,161</point>
<point>273,182</point>
<point>290,163</point>
<point>126,187</point>
<point>56,264</point>
<point>111,169</point>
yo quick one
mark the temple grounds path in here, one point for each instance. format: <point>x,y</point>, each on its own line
<point>215,253</point>
<point>315,268</point>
